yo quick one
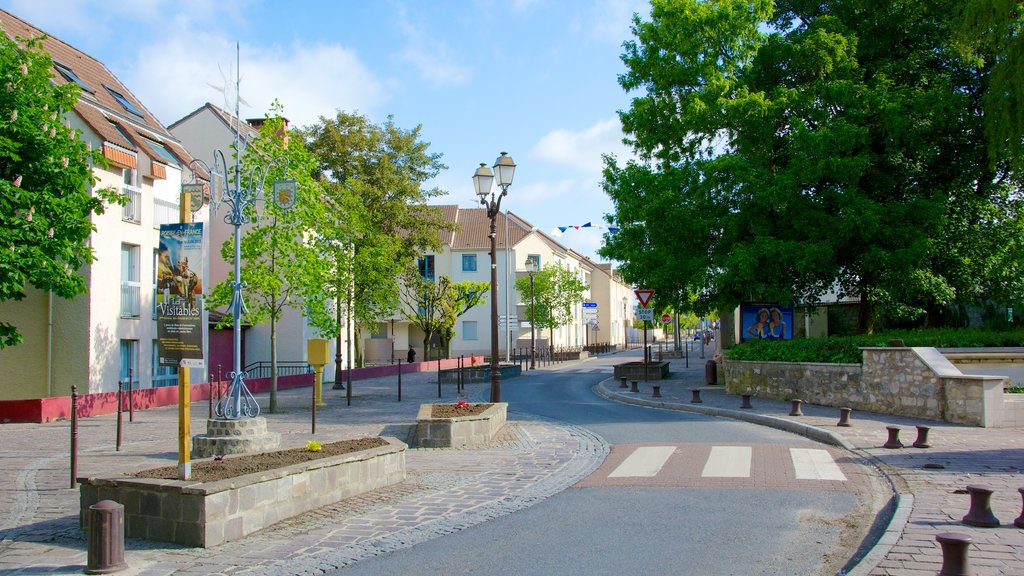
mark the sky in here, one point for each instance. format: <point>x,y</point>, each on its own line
<point>535,78</point>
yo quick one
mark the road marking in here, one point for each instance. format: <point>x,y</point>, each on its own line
<point>728,462</point>
<point>812,464</point>
<point>644,461</point>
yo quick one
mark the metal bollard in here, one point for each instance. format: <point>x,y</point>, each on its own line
<point>922,437</point>
<point>695,396</point>
<point>795,408</point>
<point>844,417</point>
<point>106,538</point>
<point>1019,522</point>
<point>894,438</point>
<point>980,513</point>
<point>120,410</point>
<point>954,553</point>
<point>745,403</point>
<point>635,388</point>
<point>711,372</point>
<point>656,392</point>
<point>622,382</point>
<point>399,379</point>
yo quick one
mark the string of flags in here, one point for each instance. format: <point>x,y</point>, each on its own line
<point>559,230</point>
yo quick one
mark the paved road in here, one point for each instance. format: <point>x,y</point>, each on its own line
<point>676,494</point>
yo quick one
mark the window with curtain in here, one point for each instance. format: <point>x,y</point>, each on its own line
<point>469,262</point>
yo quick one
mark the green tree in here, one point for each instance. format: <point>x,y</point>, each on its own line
<point>804,147</point>
<point>376,174</point>
<point>435,307</point>
<point>46,205</point>
<point>557,292</point>
<point>281,266</point>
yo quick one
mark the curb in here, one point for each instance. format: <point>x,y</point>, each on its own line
<point>904,502</point>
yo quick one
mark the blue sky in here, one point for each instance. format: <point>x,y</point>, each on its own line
<point>535,78</point>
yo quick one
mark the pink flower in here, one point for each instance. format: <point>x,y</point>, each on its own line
<point>31,211</point>
<point>53,132</point>
<point>49,233</point>
<point>24,69</point>
<point>14,115</point>
<point>17,181</point>
<point>64,161</point>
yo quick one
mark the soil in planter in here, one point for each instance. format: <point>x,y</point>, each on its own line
<point>452,411</point>
<point>241,464</point>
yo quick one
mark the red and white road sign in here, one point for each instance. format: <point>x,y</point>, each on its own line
<point>644,296</point>
<point>665,318</point>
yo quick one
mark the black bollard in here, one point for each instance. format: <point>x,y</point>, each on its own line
<point>106,538</point>
<point>894,438</point>
<point>120,388</point>
<point>635,388</point>
<point>399,379</point>
<point>980,513</point>
<point>954,553</point>
<point>745,402</point>
<point>74,434</point>
<point>656,392</point>
<point>795,409</point>
<point>695,396</point>
<point>844,417</point>
<point>622,382</point>
<point>710,372</point>
<point>922,437</point>
<point>131,395</point>
<point>1019,522</point>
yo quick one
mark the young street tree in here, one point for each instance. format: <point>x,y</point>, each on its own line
<point>281,266</point>
<point>46,204</point>
<point>806,147</point>
<point>375,173</point>
<point>557,291</point>
<point>435,307</point>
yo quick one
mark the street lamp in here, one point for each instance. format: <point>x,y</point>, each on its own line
<point>482,180</point>
<point>531,269</point>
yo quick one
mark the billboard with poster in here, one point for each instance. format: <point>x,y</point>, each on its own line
<point>179,295</point>
<point>766,322</point>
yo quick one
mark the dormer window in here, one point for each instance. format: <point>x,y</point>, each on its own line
<point>123,101</point>
<point>70,76</point>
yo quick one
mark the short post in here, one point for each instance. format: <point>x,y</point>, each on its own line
<point>695,396</point>
<point>635,388</point>
<point>209,397</point>
<point>980,513</point>
<point>220,381</point>
<point>462,367</point>
<point>922,437</point>
<point>120,410</point>
<point>317,353</point>
<point>131,395</point>
<point>954,553</point>
<point>894,438</point>
<point>844,417</point>
<point>687,353</point>
<point>74,434</point>
<point>399,379</point>
<point>106,538</point>
<point>1018,522</point>
<point>745,402</point>
<point>656,392</point>
<point>710,372</point>
<point>622,382</point>
<point>795,408</point>
<point>438,376</point>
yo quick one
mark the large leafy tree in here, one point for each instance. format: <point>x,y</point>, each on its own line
<point>435,307</point>
<point>800,147</point>
<point>46,205</point>
<point>557,292</point>
<point>281,266</point>
<point>375,174</point>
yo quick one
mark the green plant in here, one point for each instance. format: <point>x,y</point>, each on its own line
<point>313,446</point>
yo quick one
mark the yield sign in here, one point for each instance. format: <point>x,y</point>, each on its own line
<point>644,296</point>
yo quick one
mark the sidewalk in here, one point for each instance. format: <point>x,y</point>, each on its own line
<point>931,500</point>
<point>446,489</point>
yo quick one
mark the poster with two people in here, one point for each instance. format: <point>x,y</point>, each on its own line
<point>766,322</point>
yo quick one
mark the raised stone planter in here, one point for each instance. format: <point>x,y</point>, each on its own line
<point>234,437</point>
<point>635,371</point>
<point>461,431</point>
<point>207,514</point>
<point>481,373</point>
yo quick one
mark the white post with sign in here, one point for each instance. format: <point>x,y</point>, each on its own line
<point>646,314</point>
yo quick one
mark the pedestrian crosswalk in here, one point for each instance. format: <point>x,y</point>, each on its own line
<point>727,465</point>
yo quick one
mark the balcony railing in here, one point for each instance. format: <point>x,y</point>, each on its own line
<point>132,210</point>
<point>131,296</point>
<point>164,212</point>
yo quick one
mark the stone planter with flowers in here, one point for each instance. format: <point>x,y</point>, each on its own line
<point>459,425</point>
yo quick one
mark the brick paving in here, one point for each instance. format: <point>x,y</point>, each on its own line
<point>929,501</point>
<point>448,489</point>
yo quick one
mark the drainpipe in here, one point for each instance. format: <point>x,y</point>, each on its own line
<point>49,343</point>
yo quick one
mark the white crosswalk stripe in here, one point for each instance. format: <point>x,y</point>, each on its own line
<point>644,461</point>
<point>728,462</point>
<point>811,464</point>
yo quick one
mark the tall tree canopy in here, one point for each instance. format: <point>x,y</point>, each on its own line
<point>556,293</point>
<point>46,204</point>
<point>791,148</point>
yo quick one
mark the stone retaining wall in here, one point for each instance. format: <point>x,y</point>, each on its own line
<point>915,382</point>
<point>461,431</point>
<point>207,514</point>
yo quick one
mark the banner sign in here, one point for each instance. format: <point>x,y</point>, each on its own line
<point>766,322</point>
<point>179,295</point>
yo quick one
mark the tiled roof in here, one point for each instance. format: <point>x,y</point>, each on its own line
<point>100,108</point>
<point>475,229</point>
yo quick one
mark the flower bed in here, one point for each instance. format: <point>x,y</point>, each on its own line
<point>459,431</point>
<point>210,513</point>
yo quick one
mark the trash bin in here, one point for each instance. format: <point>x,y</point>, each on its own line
<point>106,538</point>
<point>711,372</point>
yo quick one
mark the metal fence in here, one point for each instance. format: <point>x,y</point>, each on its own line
<point>284,368</point>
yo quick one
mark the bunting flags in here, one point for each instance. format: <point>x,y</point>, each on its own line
<point>560,230</point>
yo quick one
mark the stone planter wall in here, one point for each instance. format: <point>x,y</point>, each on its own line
<point>461,431</point>
<point>207,514</point>
<point>635,371</point>
<point>915,382</point>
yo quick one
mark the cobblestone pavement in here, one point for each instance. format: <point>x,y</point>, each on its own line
<point>446,490</point>
<point>930,500</point>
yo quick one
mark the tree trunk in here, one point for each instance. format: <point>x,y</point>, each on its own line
<point>865,315</point>
<point>273,366</point>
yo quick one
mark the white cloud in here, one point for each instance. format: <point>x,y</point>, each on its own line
<point>583,150</point>
<point>430,56</point>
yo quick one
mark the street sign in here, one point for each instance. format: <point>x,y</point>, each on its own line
<point>590,304</point>
<point>644,296</point>
<point>665,318</point>
<point>590,313</point>
<point>645,314</point>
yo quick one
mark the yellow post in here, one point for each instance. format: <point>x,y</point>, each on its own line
<point>316,354</point>
<point>184,388</point>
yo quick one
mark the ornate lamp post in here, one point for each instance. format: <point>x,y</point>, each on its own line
<point>482,180</point>
<point>531,269</point>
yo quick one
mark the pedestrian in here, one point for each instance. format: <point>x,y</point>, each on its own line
<point>412,355</point>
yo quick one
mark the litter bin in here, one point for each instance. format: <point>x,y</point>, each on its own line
<point>711,372</point>
<point>106,538</point>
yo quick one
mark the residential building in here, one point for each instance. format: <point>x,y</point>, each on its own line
<point>102,336</point>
